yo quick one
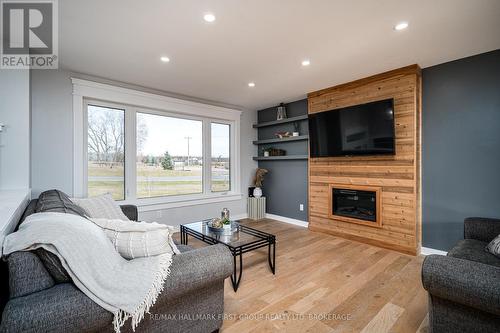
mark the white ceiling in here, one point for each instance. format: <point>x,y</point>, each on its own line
<point>264,41</point>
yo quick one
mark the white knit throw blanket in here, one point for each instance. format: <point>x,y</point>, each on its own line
<point>127,288</point>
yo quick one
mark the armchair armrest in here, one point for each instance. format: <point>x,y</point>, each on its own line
<point>482,229</point>
<point>463,281</point>
<point>196,269</point>
<point>130,211</point>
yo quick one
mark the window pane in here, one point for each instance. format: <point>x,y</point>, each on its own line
<point>220,157</point>
<point>106,151</point>
<point>169,156</point>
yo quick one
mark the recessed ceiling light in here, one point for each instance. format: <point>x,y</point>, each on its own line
<point>165,59</point>
<point>209,17</point>
<point>251,84</point>
<point>401,26</point>
<point>306,62</point>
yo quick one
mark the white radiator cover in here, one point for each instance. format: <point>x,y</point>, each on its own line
<point>256,208</point>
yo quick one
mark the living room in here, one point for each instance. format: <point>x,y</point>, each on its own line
<point>297,166</point>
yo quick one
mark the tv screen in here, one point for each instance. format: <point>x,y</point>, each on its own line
<point>366,129</point>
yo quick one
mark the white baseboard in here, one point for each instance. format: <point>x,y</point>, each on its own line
<point>427,250</point>
<point>239,216</point>
<point>300,223</point>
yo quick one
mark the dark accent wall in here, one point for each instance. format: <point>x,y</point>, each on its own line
<point>460,150</point>
<point>460,146</point>
<point>285,186</point>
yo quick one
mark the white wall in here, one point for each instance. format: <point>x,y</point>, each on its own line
<point>51,131</point>
<point>15,137</point>
<point>52,145</point>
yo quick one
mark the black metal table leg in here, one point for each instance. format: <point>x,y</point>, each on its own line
<point>184,236</point>
<point>272,263</point>
<point>235,277</point>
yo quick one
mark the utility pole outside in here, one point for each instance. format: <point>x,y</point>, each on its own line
<point>188,138</point>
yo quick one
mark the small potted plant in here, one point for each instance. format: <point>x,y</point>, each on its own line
<point>226,223</point>
<point>266,151</point>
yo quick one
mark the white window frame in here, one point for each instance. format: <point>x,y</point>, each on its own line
<point>132,101</point>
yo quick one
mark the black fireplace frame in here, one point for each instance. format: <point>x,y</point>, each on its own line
<point>377,223</point>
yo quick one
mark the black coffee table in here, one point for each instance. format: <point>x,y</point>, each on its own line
<point>240,240</point>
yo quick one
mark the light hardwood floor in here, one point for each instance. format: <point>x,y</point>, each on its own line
<point>325,284</point>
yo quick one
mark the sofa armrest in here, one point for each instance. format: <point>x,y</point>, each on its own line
<point>130,211</point>
<point>196,269</point>
<point>62,308</point>
<point>482,229</point>
<point>463,281</point>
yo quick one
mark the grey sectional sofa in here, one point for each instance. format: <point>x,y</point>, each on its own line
<point>464,286</point>
<point>192,301</point>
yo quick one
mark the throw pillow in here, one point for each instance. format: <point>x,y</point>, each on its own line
<point>53,266</point>
<point>494,247</point>
<point>58,202</point>
<point>103,207</point>
<point>138,239</point>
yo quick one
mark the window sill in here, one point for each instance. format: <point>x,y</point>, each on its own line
<point>152,204</point>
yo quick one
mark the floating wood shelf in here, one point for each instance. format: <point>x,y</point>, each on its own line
<point>276,158</point>
<point>279,122</point>
<point>278,140</point>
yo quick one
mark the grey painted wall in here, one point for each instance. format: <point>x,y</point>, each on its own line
<point>52,145</point>
<point>285,185</point>
<point>15,138</point>
<point>461,146</point>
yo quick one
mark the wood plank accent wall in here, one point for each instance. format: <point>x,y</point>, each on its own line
<point>398,175</point>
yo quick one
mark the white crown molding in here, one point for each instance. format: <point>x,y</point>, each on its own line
<point>111,93</point>
<point>425,251</point>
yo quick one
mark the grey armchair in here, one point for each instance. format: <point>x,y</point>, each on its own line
<point>464,286</point>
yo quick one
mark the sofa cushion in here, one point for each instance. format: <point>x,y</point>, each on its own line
<point>27,274</point>
<point>184,248</point>
<point>474,250</point>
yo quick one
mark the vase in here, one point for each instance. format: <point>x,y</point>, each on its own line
<point>257,192</point>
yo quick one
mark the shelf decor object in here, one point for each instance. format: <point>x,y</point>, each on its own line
<point>281,112</point>
<point>282,135</point>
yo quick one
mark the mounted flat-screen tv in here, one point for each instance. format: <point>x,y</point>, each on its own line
<point>365,129</point>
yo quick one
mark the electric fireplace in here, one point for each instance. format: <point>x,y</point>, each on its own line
<point>358,205</point>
